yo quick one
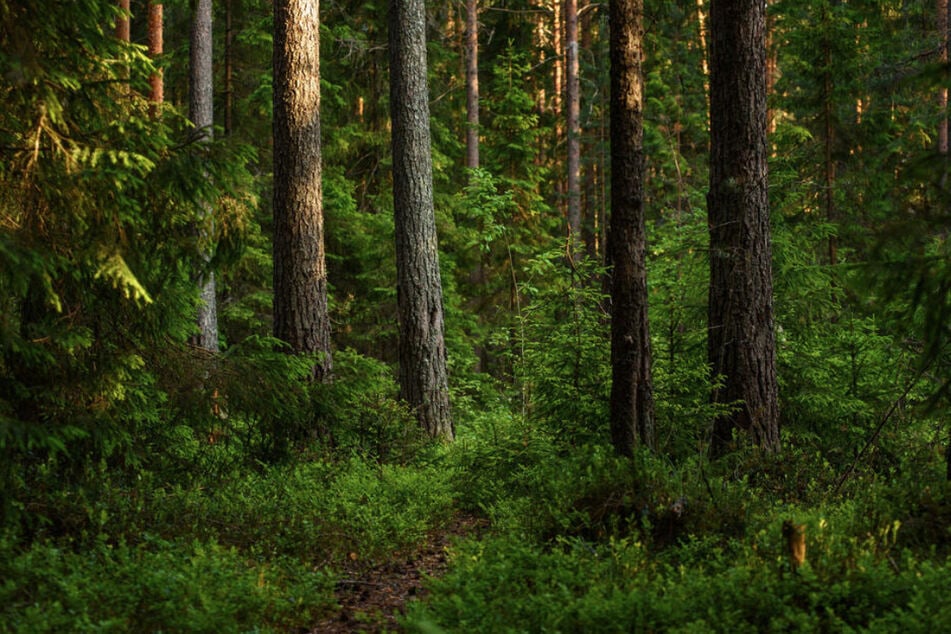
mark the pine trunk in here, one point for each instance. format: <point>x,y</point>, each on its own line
<point>632,401</point>
<point>300,271</point>
<point>201,112</point>
<point>123,23</point>
<point>156,48</point>
<point>472,84</point>
<point>740,338</point>
<point>422,347</point>
<point>573,101</point>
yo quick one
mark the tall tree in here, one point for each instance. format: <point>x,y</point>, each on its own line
<point>573,107</point>
<point>632,400</point>
<point>741,342</point>
<point>422,346</point>
<point>300,271</point>
<point>156,48</point>
<point>472,84</point>
<point>201,112</point>
<point>123,24</point>
<point>229,68</point>
<point>943,26</point>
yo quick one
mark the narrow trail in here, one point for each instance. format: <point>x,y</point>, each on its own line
<point>372,599</point>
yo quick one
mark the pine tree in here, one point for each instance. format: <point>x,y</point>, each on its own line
<point>422,346</point>
<point>632,401</point>
<point>741,342</point>
<point>300,271</point>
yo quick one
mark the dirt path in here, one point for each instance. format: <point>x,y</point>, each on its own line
<point>370,600</point>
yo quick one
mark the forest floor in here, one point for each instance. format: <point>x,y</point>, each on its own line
<point>371,599</point>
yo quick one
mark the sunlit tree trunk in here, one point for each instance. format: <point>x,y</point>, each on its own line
<point>123,24</point>
<point>300,272</point>
<point>155,33</point>
<point>741,341</point>
<point>632,400</point>
<point>422,346</point>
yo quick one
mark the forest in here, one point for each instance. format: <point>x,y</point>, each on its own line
<point>475,316</point>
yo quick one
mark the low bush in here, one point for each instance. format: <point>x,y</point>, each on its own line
<point>156,586</point>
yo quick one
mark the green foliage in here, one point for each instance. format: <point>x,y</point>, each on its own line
<point>160,586</point>
<point>565,366</point>
<point>856,577</point>
<point>362,416</point>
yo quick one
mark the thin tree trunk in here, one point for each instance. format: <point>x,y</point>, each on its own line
<point>573,99</point>
<point>155,32</point>
<point>472,84</point>
<point>558,67</point>
<point>632,401</point>
<point>772,70</point>
<point>590,205</point>
<point>229,68</point>
<point>828,135</point>
<point>741,341</point>
<point>300,271</point>
<point>422,346</point>
<point>702,32</point>
<point>943,27</point>
<point>201,112</point>
<point>123,23</point>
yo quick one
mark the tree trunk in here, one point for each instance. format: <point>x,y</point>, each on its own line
<point>632,401</point>
<point>573,99</point>
<point>157,92</point>
<point>229,68</point>
<point>422,347</point>
<point>201,112</point>
<point>741,341</point>
<point>591,205</point>
<point>828,133</point>
<point>300,271</point>
<point>943,26</point>
<point>472,84</point>
<point>123,23</point>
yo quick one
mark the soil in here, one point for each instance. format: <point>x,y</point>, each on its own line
<point>372,599</point>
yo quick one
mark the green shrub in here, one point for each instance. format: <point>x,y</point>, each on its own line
<point>158,586</point>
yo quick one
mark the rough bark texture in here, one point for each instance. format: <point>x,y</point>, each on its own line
<point>156,48</point>
<point>422,348</point>
<point>632,400</point>
<point>741,339</point>
<point>300,271</point>
<point>472,84</point>
<point>573,99</point>
<point>201,113</point>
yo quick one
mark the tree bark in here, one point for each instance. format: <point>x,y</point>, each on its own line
<point>201,112</point>
<point>472,84</point>
<point>632,401</point>
<point>741,342</point>
<point>300,271</point>
<point>422,347</point>
<point>156,48</point>
<point>123,23</point>
<point>573,99</point>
